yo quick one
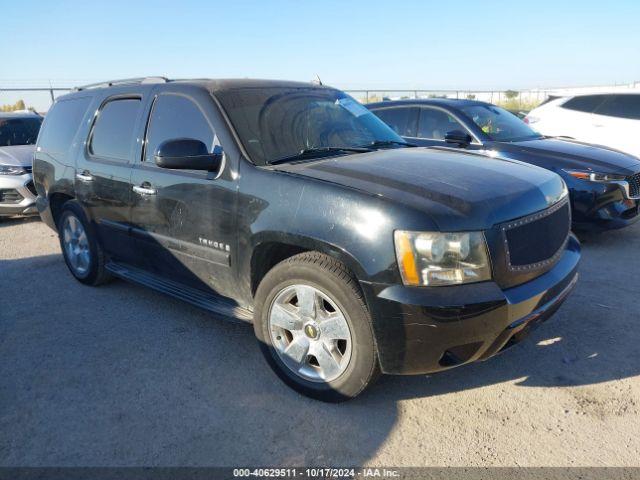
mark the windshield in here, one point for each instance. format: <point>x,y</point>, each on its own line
<point>498,124</point>
<point>19,131</point>
<point>275,123</point>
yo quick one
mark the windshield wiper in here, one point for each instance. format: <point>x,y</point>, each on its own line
<point>386,143</point>
<point>310,153</point>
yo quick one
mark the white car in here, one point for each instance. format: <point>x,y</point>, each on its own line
<point>18,134</point>
<point>610,119</point>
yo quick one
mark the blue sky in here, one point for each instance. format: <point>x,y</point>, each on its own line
<point>358,44</point>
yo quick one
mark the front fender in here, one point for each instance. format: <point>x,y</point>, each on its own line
<point>350,225</point>
<point>295,240</point>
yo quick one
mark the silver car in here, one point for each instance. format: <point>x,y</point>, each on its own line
<point>18,134</point>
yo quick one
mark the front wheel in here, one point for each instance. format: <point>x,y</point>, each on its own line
<point>314,328</point>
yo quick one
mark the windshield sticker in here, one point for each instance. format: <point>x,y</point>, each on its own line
<point>356,109</point>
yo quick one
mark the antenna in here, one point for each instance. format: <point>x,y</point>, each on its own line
<point>317,80</point>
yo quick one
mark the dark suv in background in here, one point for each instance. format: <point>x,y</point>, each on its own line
<point>604,183</point>
<point>292,206</point>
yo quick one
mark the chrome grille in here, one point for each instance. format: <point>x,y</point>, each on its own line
<point>539,239</point>
<point>634,185</point>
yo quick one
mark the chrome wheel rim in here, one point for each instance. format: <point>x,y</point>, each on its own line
<point>76,245</point>
<point>310,333</point>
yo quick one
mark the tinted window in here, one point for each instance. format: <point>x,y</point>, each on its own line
<point>621,106</point>
<point>584,103</point>
<point>275,123</point>
<point>175,116</point>
<point>434,124</point>
<point>62,123</point>
<point>114,129</point>
<point>499,124</point>
<point>403,120</point>
<point>19,131</point>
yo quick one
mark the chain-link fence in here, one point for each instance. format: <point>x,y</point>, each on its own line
<point>40,99</point>
<point>512,99</point>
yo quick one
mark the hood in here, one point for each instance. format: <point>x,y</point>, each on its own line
<point>561,153</point>
<point>458,191</point>
<point>18,155</point>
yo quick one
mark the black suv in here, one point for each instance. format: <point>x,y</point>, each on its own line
<point>292,206</point>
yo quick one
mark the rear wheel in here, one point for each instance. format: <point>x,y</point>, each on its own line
<point>315,329</point>
<point>81,251</point>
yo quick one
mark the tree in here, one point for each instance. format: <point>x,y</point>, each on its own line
<point>471,96</point>
<point>19,105</point>
<point>511,94</point>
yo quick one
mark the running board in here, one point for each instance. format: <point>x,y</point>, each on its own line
<point>213,303</point>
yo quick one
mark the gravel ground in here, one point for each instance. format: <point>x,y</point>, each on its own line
<point>121,375</point>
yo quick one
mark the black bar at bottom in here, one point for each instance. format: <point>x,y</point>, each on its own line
<point>304,473</point>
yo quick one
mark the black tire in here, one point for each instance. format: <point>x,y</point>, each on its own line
<point>332,278</point>
<point>96,273</point>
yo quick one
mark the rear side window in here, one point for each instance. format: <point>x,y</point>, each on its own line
<point>621,106</point>
<point>114,129</point>
<point>61,124</point>
<point>175,116</point>
<point>403,120</point>
<point>435,124</point>
<point>584,103</point>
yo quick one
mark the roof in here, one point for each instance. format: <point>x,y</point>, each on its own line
<point>599,92</point>
<point>237,83</point>
<point>19,114</point>
<point>215,85</point>
<point>445,102</point>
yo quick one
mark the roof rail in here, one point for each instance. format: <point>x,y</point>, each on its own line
<point>124,81</point>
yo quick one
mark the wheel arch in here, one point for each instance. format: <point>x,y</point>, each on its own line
<point>271,249</point>
<point>56,202</point>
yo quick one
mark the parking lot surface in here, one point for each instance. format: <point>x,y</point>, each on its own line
<point>121,375</point>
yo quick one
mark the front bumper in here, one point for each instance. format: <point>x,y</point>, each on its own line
<point>424,330</point>
<point>602,206</point>
<point>16,197</point>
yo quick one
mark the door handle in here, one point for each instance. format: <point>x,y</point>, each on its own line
<point>144,190</point>
<point>84,176</point>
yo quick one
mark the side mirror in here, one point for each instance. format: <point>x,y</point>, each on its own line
<point>187,154</point>
<point>458,137</point>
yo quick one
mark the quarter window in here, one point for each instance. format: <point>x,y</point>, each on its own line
<point>621,106</point>
<point>584,103</point>
<point>403,120</point>
<point>435,124</point>
<point>175,116</point>
<point>114,129</point>
<point>62,123</point>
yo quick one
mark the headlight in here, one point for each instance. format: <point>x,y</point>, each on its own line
<point>12,170</point>
<point>595,177</point>
<point>435,258</point>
